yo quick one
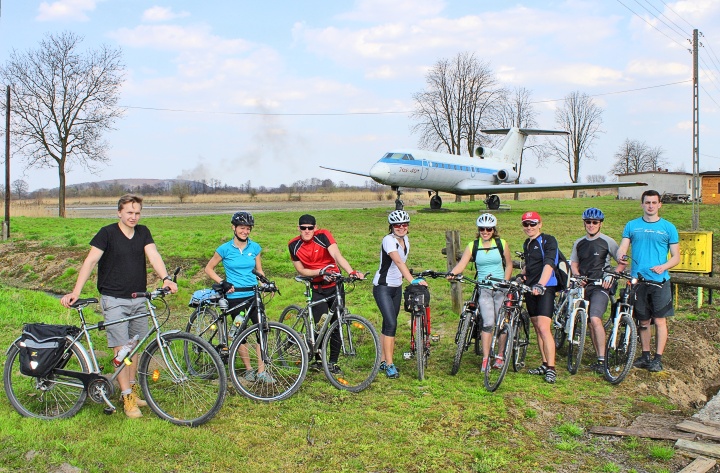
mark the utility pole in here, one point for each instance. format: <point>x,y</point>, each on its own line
<point>696,137</point>
<point>6,222</point>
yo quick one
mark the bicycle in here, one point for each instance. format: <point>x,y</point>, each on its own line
<point>570,320</point>
<point>276,350</point>
<point>180,389</point>
<point>352,336</point>
<point>511,333</point>
<point>470,323</point>
<point>420,328</point>
<point>621,345</point>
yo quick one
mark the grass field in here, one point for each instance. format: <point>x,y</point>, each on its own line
<point>445,423</point>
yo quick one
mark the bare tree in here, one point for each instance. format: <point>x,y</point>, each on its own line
<point>636,156</point>
<point>461,97</point>
<point>181,189</point>
<point>20,188</point>
<point>595,178</point>
<point>581,118</point>
<point>63,100</point>
<point>517,111</point>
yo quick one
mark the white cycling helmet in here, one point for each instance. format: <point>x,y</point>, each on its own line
<point>398,216</point>
<point>487,221</point>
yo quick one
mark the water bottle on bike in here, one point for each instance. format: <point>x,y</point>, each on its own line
<point>127,348</point>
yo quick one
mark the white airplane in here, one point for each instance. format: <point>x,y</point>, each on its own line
<point>489,172</point>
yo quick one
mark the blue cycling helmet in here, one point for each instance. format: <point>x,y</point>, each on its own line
<point>593,214</point>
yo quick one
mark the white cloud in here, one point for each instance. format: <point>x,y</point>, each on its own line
<point>178,38</point>
<point>382,10</point>
<point>65,10</point>
<point>156,14</point>
<point>649,67</point>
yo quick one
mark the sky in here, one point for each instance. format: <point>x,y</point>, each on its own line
<point>267,92</point>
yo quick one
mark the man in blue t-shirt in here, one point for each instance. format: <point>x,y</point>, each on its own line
<point>652,238</point>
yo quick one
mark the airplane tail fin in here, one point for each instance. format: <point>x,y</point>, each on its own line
<point>512,146</point>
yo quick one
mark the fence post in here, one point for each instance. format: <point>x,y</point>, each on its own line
<point>452,245</point>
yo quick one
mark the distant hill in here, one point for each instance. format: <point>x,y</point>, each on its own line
<point>129,184</point>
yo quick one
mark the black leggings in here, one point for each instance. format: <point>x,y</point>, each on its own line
<point>388,301</point>
<point>327,308</point>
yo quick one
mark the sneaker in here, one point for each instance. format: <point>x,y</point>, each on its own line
<point>550,376</point>
<point>316,366</point>
<point>655,366</point>
<point>383,365</point>
<point>249,375</point>
<point>642,363</point>
<point>392,372</point>
<point>498,363</point>
<point>334,368</point>
<point>598,367</point>
<point>540,370</point>
<point>265,377</point>
<point>136,392</point>
<point>484,364</point>
<point>130,405</point>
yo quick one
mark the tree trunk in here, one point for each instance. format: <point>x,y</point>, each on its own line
<point>458,198</point>
<point>61,191</point>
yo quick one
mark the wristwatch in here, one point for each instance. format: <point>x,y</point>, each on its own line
<point>167,278</point>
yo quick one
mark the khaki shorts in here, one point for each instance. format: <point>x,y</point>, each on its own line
<point>116,308</point>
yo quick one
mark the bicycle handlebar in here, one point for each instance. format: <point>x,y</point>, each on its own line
<point>503,283</point>
<point>633,280</point>
<point>429,273</point>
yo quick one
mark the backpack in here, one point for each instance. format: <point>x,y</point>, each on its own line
<point>41,347</point>
<point>498,245</point>
<point>415,295</point>
<point>562,267</point>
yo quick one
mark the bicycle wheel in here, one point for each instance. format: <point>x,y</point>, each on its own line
<point>478,336</point>
<point>420,348</point>
<point>576,345</point>
<point>521,342</point>
<point>619,358</point>
<point>558,322</point>
<point>502,342</point>
<point>53,397</point>
<point>463,340</point>
<point>275,374</point>
<point>359,355</point>
<point>205,324</point>
<point>296,318</point>
<point>182,392</point>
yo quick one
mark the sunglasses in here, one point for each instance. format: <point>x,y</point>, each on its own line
<point>401,225</point>
<point>528,223</point>
<point>593,222</point>
<point>484,229</point>
<point>307,227</point>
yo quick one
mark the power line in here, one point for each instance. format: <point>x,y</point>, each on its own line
<point>651,25</point>
<point>709,95</point>
<point>710,49</point>
<point>681,33</point>
<point>708,156</point>
<point>677,14</point>
<point>623,91</point>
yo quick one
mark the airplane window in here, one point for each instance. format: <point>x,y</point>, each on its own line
<point>407,157</point>
<point>395,156</point>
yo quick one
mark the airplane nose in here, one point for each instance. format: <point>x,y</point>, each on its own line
<point>380,172</point>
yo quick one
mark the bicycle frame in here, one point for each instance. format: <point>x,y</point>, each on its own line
<point>623,307</point>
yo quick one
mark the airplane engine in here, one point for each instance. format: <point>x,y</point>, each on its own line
<point>483,153</point>
<point>505,175</point>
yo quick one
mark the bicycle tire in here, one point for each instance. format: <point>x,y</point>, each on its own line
<point>577,344</point>
<point>420,355</point>
<point>177,392</point>
<point>204,322</point>
<point>478,336</point>
<point>521,342</point>
<point>618,361</point>
<point>296,318</point>
<point>359,357</point>
<point>492,378</point>
<point>559,332</point>
<point>286,362</point>
<point>463,340</point>
<point>45,398</point>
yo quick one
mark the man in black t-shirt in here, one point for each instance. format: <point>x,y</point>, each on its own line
<point>119,251</point>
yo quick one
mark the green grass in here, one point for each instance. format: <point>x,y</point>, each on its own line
<point>444,423</point>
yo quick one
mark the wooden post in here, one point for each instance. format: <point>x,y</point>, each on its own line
<point>452,245</point>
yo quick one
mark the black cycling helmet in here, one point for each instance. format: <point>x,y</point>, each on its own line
<point>243,218</point>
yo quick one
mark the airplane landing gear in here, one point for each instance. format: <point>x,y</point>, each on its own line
<point>399,204</point>
<point>492,202</point>
<point>435,201</point>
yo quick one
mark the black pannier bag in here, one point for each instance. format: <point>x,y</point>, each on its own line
<point>41,347</point>
<point>416,294</point>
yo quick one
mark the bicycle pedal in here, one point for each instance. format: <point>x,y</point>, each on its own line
<point>435,338</point>
<point>407,356</point>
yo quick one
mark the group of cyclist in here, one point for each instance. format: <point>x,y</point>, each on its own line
<point>120,251</point>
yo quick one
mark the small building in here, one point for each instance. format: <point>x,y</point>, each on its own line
<point>663,181</point>
<point>710,187</point>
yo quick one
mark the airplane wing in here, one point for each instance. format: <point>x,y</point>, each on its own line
<point>349,172</point>
<point>475,187</point>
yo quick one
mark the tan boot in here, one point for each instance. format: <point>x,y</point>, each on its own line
<point>136,392</point>
<point>131,408</point>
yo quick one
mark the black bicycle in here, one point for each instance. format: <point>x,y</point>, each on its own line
<point>470,324</point>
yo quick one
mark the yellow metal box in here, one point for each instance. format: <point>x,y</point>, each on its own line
<point>695,252</point>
